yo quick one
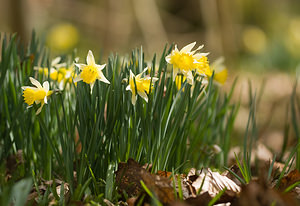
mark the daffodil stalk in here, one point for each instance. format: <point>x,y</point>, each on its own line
<point>91,71</point>
<point>38,94</point>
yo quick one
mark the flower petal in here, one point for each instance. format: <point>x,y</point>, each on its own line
<point>90,60</point>
<point>80,66</point>
<point>128,88</point>
<point>46,86</point>
<point>55,61</point>
<point>77,78</point>
<point>199,55</point>
<point>45,99</point>
<point>200,47</point>
<point>143,95</point>
<point>175,71</point>
<point>188,47</point>
<point>133,99</point>
<point>100,67</point>
<point>154,79</point>
<point>92,86</point>
<point>103,78</point>
<point>28,87</point>
<point>61,85</point>
<point>190,77</point>
<point>40,109</point>
<point>168,58</point>
<point>35,82</point>
<point>131,74</point>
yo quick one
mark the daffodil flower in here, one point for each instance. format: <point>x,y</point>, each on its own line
<point>140,85</point>
<point>185,61</point>
<point>220,70</point>
<point>38,94</point>
<point>63,76</point>
<point>91,72</point>
<point>59,72</point>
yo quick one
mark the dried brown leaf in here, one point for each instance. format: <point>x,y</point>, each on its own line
<point>213,183</point>
<point>128,177</point>
<point>160,186</point>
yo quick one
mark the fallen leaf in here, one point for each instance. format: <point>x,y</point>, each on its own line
<point>160,186</point>
<point>128,177</point>
<point>213,183</point>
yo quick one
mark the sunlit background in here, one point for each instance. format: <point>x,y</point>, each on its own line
<point>260,39</point>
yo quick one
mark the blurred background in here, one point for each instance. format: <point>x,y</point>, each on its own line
<point>260,39</point>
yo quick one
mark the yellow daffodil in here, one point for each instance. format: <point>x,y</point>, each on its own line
<point>220,70</point>
<point>59,72</point>
<point>140,85</point>
<point>63,76</point>
<point>38,94</point>
<point>91,72</point>
<point>185,61</point>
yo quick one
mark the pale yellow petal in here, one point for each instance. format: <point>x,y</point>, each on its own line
<point>77,79</point>
<point>143,95</point>
<point>190,77</point>
<point>175,71</point>
<point>133,99</point>
<point>128,88</point>
<point>102,78</point>
<point>40,109</point>
<point>188,47</point>
<point>35,82</point>
<point>90,60</point>
<point>92,86</point>
<point>100,67</point>
<point>28,87</point>
<point>80,66</point>
<point>55,61</point>
<point>46,86</point>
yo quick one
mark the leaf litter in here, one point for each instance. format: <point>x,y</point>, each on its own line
<point>197,187</point>
<point>202,187</point>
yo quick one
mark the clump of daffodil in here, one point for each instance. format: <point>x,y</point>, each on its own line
<point>220,71</point>
<point>63,75</point>
<point>38,94</point>
<point>91,71</point>
<point>186,61</point>
<point>53,66</point>
<point>59,72</point>
<point>140,85</point>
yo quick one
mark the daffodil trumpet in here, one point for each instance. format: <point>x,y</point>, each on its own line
<point>38,94</point>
